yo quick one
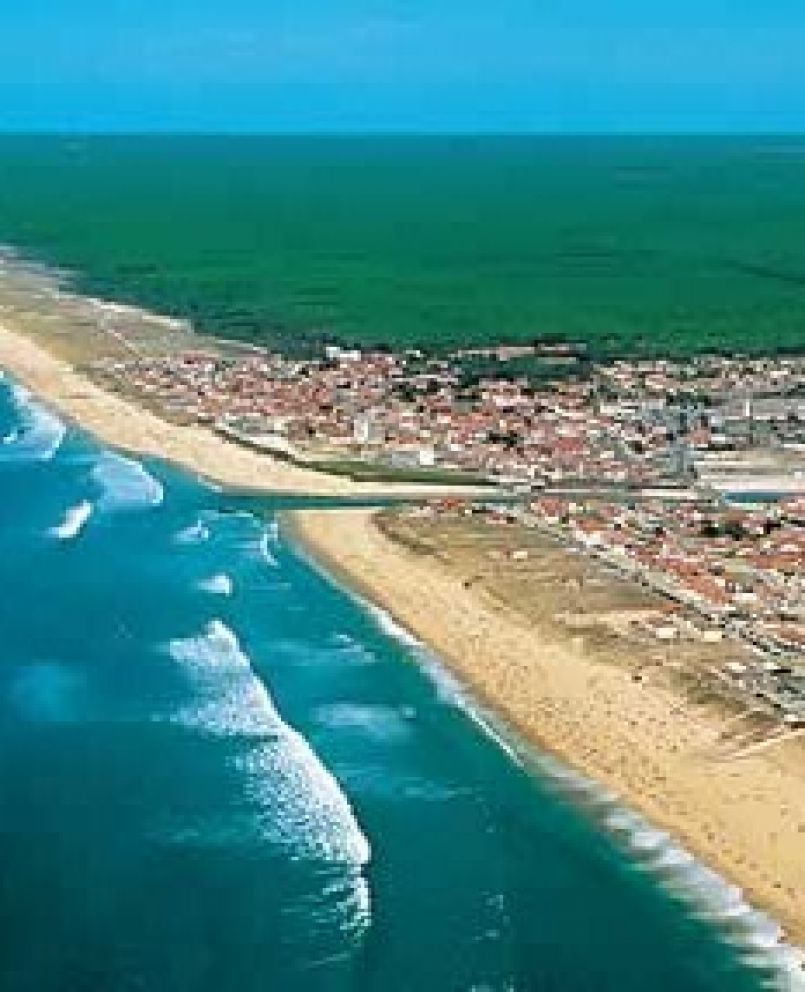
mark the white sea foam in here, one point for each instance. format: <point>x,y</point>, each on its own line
<point>488,727</point>
<point>304,810</point>
<point>74,520</point>
<point>375,721</point>
<point>305,807</point>
<point>712,898</point>
<point>706,893</point>
<point>448,688</point>
<point>216,649</point>
<point>240,528</point>
<point>194,534</point>
<point>218,585</point>
<point>386,622</point>
<point>299,803</point>
<point>266,554</point>
<point>125,484</point>
<point>39,434</point>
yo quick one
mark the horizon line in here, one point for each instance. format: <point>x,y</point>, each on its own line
<point>389,133</point>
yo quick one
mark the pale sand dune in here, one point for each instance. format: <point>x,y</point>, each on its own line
<point>121,423</point>
<point>744,817</point>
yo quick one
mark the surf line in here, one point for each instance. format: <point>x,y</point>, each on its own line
<point>759,939</point>
<point>74,521</point>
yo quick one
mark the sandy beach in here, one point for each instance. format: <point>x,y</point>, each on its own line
<point>125,425</point>
<point>740,811</point>
<point>744,814</point>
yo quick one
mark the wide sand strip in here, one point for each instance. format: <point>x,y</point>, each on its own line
<point>124,424</point>
<point>743,815</point>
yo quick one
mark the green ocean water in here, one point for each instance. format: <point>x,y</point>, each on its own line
<point>631,244</point>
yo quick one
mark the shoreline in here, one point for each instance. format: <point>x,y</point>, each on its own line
<point>129,427</point>
<point>541,699</point>
<point>641,743</point>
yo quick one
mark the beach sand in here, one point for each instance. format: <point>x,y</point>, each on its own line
<point>120,422</point>
<point>744,816</point>
<point>740,810</point>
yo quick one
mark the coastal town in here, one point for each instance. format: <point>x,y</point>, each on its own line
<point>624,424</point>
<point>687,479</point>
<point>402,456</point>
<point>719,576</point>
<point>609,552</point>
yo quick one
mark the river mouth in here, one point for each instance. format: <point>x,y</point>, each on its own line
<point>248,782</point>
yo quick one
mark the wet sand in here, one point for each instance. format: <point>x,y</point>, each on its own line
<point>741,811</point>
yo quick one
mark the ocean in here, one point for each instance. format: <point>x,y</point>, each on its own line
<point>633,245</point>
<point>218,770</point>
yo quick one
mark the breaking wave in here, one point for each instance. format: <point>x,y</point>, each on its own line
<point>217,585</point>
<point>760,940</point>
<point>267,539</point>
<point>39,434</point>
<point>74,520</point>
<point>215,649</point>
<point>125,484</point>
<point>194,534</point>
<point>299,804</point>
<point>272,532</point>
<point>448,688</point>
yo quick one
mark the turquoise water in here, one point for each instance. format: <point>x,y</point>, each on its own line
<point>218,771</point>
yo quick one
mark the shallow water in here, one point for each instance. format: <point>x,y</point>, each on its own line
<point>218,771</point>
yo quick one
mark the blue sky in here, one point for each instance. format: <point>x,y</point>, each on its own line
<point>402,65</point>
